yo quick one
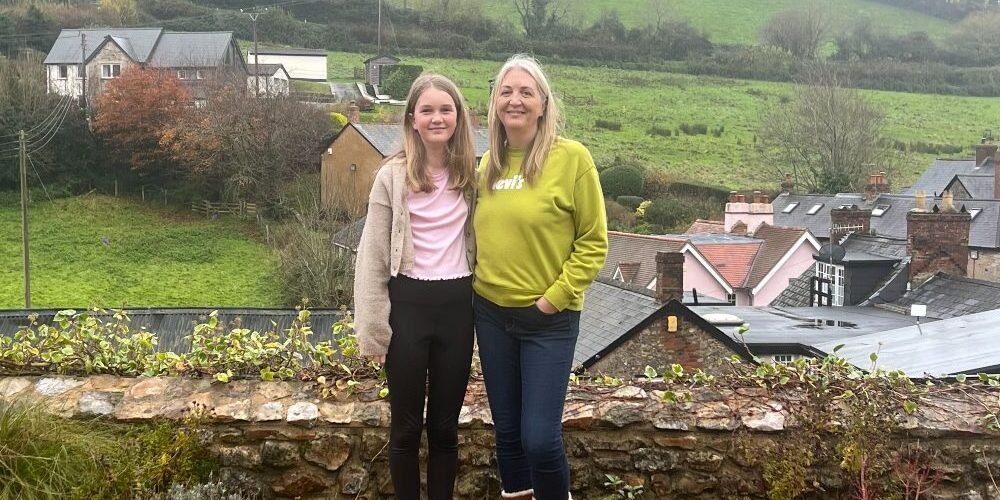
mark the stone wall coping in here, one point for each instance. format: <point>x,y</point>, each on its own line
<point>128,399</point>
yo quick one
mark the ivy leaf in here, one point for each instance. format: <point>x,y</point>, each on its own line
<point>960,378</point>
<point>382,393</point>
<point>873,357</point>
<point>670,396</point>
<point>677,369</point>
<point>222,377</point>
<point>909,407</point>
<point>838,347</point>
<point>649,372</point>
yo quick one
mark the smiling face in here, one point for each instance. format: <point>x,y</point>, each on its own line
<point>519,105</point>
<point>435,117</point>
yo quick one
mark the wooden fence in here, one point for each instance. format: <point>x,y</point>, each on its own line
<point>209,208</point>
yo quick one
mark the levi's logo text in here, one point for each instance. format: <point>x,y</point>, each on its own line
<point>516,182</point>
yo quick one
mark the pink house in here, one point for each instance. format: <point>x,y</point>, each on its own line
<point>744,270</point>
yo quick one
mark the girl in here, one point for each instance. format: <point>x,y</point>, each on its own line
<point>542,238</point>
<point>413,283</point>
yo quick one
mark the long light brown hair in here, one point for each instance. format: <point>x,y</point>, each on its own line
<point>460,156</point>
<point>548,124</point>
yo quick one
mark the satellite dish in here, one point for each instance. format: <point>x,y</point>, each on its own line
<point>831,253</point>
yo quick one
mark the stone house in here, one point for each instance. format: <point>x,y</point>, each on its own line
<point>200,60</point>
<point>354,157</point>
<point>267,80</point>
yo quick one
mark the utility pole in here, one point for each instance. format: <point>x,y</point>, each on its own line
<point>379,30</point>
<point>83,73</point>
<point>24,220</point>
<point>256,56</point>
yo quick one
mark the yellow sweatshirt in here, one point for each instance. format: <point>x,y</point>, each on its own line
<point>548,239</point>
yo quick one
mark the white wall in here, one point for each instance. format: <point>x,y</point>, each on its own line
<point>72,85</point>
<point>269,86</point>
<point>298,67</point>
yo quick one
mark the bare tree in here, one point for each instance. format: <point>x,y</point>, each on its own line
<point>977,36</point>
<point>538,15</point>
<point>799,31</point>
<point>829,137</point>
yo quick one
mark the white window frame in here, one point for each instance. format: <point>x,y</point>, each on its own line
<point>199,74</point>
<point>791,206</point>
<point>111,71</point>
<point>782,359</point>
<point>62,72</point>
<point>879,210</point>
<point>835,274</point>
<point>731,298</point>
<point>815,208</point>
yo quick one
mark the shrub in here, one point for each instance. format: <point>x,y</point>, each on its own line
<point>622,180</point>
<point>697,191</point>
<point>311,268</point>
<point>620,217</point>
<point>657,183</point>
<point>397,79</point>
<point>660,131</point>
<point>670,213</point>
<point>629,202</point>
<point>608,125</point>
<point>694,128</point>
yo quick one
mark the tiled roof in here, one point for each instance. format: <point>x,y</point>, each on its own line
<point>706,227</point>
<point>191,50</point>
<point>66,49</point>
<point>778,241</point>
<point>949,296</point>
<point>817,223</point>
<point>609,312</point>
<point>350,236</point>
<point>388,138</point>
<point>797,292</point>
<point>937,177</point>
<point>979,187</point>
<point>628,247</point>
<point>732,260</point>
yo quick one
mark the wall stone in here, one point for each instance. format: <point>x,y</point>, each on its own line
<point>986,267</point>
<point>674,450</point>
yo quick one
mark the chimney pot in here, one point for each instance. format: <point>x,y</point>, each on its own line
<point>733,197</point>
<point>354,113</point>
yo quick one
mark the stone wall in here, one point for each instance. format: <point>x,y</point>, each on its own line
<point>689,346</point>
<point>282,437</point>
<point>986,267</point>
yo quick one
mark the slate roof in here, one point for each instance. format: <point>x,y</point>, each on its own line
<point>950,296</point>
<point>702,226</point>
<point>964,344</point>
<point>609,312</point>
<point>350,236</point>
<point>172,325</point>
<point>979,187</point>
<point>66,49</point>
<point>265,69</point>
<point>191,50</point>
<point>819,223</point>
<point>288,51</point>
<point>940,173</point>
<point>796,294</point>
<point>866,248</point>
<point>388,138</point>
<point>628,247</point>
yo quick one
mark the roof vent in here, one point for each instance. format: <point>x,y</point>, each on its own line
<point>722,319</point>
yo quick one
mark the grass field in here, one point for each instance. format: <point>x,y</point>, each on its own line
<point>152,257</point>
<point>641,99</point>
<point>728,21</point>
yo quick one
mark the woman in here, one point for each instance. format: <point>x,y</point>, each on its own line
<point>413,283</point>
<point>541,238</point>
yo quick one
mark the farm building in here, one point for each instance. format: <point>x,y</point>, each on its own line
<point>301,64</point>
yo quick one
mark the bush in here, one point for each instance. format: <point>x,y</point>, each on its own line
<point>660,131</point>
<point>311,268</point>
<point>671,213</point>
<point>608,125</point>
<point>657,184</point>
<point>698,191</point>
<point>397,79</point>
<point>622,180</point>
<point>630,202</point>
<point>694,128</point>
<point>620,217</point>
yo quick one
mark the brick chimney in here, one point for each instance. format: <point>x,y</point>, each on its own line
<point>937,240</point>
<point>852,219</point>
<point>354,113</point>
<point>669,277</point>
<point>985,150</point>
<point>878,183</point>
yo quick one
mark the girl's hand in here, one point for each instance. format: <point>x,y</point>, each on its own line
<point>380,359</point>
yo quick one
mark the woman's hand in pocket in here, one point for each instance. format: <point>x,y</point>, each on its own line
<point>545,306</point>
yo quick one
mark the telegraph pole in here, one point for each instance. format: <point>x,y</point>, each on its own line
<point>256,55</point>
<point>83,72</point>
<point>24,220</point>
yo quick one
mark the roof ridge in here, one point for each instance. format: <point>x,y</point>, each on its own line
<point>650,237</point>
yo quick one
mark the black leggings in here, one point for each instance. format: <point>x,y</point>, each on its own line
<point>429,355</point>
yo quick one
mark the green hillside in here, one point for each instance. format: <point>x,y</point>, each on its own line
<point>641,99</point>
<point>727,21</point>
<point>112,252</point>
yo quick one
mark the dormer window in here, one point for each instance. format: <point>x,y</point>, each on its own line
<point>815,208</point>
<point>879,210</point>
<point>791,206</point>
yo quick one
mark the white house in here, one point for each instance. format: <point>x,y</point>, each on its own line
<point>300,64</point>
<point>271,78</point>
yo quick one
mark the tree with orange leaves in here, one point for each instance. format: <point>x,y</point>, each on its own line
<point>131,115</point>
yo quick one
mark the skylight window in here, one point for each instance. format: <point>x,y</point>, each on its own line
<point>790,207</point>
<point>815,208</point>
<point>974,212</point>
<point>879,210</point>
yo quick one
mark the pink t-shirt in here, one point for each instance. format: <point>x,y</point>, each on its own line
<point>437,221</point>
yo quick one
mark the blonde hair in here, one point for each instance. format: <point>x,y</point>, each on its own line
<point>549,123</point>
<point>460,156</point>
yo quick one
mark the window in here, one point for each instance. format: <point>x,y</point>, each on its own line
<point>63,72</point>
<point>835,275</point>
<point>974,212</point>
<point>111,71</point>
<point>731,298</point>
<point>200,74</point>
<point>782,358</point>
<point>200,102</point>
<point>790,207</point>
<point>815,208</point>
<point>879,210</point>
<point>188,74</point>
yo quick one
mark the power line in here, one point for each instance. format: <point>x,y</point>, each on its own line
<point>32,163</point>
<point>53,130</point>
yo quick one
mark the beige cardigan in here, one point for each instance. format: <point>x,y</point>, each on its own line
<point>386,248</point>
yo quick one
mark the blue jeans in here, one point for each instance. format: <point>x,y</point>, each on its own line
<point>526,357</point>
